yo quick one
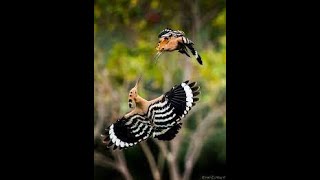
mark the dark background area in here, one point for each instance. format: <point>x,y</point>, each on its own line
<point>48,96</point>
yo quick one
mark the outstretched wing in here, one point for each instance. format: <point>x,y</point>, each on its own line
<point>127,132</point>
<point>169,133</point>
<point>167,112</point>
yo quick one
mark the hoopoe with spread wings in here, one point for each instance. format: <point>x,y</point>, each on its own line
<point>159,118</point>
<point>170,40</point>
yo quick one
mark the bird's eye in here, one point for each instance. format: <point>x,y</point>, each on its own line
<point>166,38</point>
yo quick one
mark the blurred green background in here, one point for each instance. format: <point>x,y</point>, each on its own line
<point>125,37</point>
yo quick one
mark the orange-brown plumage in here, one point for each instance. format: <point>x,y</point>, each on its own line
<point>170,40</point>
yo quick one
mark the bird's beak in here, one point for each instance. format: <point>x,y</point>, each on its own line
<point>137,83</point>
<point>157,55</point>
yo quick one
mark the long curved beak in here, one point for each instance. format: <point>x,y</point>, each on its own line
<point>137,83</point>
<point>155,58</point>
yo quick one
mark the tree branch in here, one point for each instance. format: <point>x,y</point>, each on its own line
<point>171,159</point>
<point>161,161</point>
<point>152,163</point>
<point>121,162</point>
<point>197,140</point>
<point>103,161</point>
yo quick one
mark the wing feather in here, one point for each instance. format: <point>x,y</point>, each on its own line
<point>127,132</point>
<point>168,112</point>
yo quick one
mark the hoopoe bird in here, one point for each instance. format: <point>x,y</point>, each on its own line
<point>170,40</point>
<point>158,118</point>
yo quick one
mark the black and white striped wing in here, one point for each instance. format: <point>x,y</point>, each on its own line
<point>167,113</point>
<point>127,132</point>
<point>169,32</point>
<point>187,42</point>
<point>164,32</point>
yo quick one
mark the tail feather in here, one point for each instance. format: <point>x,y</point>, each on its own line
<point>195,53</point>
<point>198,57</point>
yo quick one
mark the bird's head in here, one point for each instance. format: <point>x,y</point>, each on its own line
<point>133,94</point>
<point>162,42</point>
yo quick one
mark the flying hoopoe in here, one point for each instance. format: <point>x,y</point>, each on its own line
<point>159,118</point>
<point>170,40</point>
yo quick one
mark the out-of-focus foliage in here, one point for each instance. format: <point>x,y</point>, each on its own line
<point>125,34</point>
